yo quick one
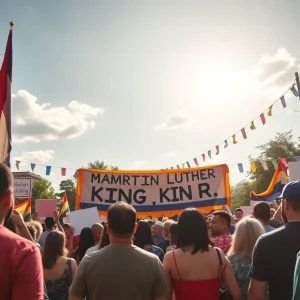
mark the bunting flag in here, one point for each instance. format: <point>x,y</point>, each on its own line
<point>253,166</point>
<point>244,134</point>
<point>21,207</point>
<point>274,190</point>
<point>264,165</point>
<point>263,119</point>
<point>241,168</point>
<point>188,164</point>
<point>63,171</point>
<point>27,212</point>
<point>32,167</point>
<point>294,91</point>
<point>282,99</point>
<point>252,126</point>
<point>196,161</point>
<point>283,160</point>
<point>5,102</point>
<point>274,163</point>
<point>17,164</point>
<point>48,170</point>
<point>234,139</point>
<point>268,112</point>
<point>64,210</point>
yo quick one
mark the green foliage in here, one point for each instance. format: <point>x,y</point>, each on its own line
<point>100,165</point>
<point>281,146</point>
<point>41,189</point>
<point>69,187</point>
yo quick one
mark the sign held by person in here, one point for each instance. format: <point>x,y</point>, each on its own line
<point>22,187</point>
<point>155,192</point>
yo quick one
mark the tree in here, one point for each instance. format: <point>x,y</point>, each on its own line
<point>100,165</point>
<point>41,189</point>
<point>240,193</point>
<point>281,146</point>
<point>69,187</point>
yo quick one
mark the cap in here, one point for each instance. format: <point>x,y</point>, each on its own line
<point>158,223</point>
<point>291,191</point>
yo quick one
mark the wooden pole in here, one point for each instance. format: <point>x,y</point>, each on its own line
<point>298,83</point>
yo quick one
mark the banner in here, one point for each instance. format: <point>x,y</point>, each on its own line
<point>22,187</point>
<point>155,193</point>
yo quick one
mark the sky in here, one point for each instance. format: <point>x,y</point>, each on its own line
<point>148,84</point>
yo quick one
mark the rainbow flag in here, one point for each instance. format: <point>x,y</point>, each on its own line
<point>64,209</point>
<point>27,212</point>
<point>5,103</point>
<point>274,190</point>
<point>23,207</point>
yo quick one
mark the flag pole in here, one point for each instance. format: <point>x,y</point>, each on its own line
<point>298,83</point>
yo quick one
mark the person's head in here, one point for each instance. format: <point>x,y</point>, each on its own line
<point>50,223</point>
<point>220,222</point>
<point>86,241</point>
<point>121,219</point>
<point>67,228</point>
<point>262,212</point>
<point>290,198</point>
<point>104,240</point>
<point>238,213</point>
<point>54,247</point>
<point>6,194</point>
<point>173,233</point>
<point>192,231</point>
<point>97,231</point>
<point>32,230</point>
<point>157,229</point>
<point>38,227</point>
<point>142,236</point>
<point>247,231</point>
<point>166,231</point>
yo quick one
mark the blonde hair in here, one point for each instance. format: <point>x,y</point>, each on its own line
<point>247,231</point>
<point>38,226</point>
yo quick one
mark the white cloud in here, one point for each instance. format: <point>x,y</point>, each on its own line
<point>33,121</point>
<point>276,69</point>
<point>175,121</point>
<point>39,157</point>
<point>139,162</point>
<point>168,154</point>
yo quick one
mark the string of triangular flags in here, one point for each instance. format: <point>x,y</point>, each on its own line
<point>48,168</point>
<point>195,162</point>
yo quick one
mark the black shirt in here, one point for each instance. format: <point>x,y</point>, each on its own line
<point>274,258</point>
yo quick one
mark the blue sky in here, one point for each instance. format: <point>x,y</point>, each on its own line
<point>147,84</point>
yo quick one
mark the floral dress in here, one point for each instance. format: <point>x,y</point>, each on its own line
<point>241,267</point>
<point>58,289</point>
<point>157,251</point>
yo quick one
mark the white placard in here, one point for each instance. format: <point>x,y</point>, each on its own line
<point>247,210</point>
<point>83,218</point>
<point>294,170</point>
<point>22,187</point>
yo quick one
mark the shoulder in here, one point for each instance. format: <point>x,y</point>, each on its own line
<point>271,236</point>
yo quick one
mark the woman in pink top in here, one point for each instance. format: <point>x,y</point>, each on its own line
<point>193,268</point>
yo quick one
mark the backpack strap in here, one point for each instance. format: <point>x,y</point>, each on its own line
<point>221,266</point>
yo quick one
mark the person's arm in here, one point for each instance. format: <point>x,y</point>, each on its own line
<point>19,222</point>
<point>258,272</point>
<point>167,265</point>
<point>28,280</point>
<point>296,289</point>
<point>56,218</point>
<point>78,289</point>
<point>229,278</point>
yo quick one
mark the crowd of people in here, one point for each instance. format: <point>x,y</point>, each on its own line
<point>192,257</point>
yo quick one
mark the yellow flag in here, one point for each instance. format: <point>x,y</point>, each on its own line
<point>252,126</point>
<point>253,166</point>
<point>234,139</point>
<point>270,111</point>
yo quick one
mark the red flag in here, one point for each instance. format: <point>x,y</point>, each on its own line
<point>263,119</point>
<point>5,103</point>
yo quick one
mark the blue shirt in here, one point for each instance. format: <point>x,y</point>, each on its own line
<point>268,228</point>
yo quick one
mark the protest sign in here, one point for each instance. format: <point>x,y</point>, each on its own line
<point>22,187</point>
<point>155,193</point>
<point>45,207</point>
